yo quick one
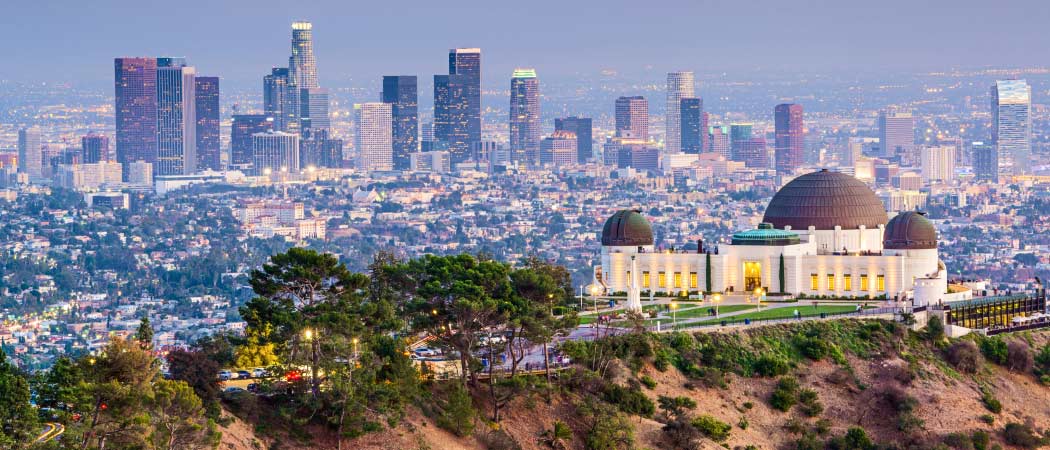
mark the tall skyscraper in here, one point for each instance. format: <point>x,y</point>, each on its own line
<point>897,135</point>
<point>207,104</point>
<point>302,66</point>
<point>789,137</point>
<point>374,137</point>
<point>752,152</point>
<point>242,128</point>
<point>94,148</point>
<point>632,116</point>
<point>938,163</point>
<point>281,100</point>
<point>275,152</point>
<point>135,89</point>
<point>1012,125</point>
<point>30,153</point>
<point>719,137</point>
<point>176,118</point>
<point>985,161</point>
<point>694,130</point>
<point>581,127</point>
<point>313,111</point>
<point>558,150</point>
<point>400,92</point>
<point>679,86</point>
<point>457,103</point>
<point>525,116</point>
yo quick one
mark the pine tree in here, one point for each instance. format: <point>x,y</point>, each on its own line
<point>145,333</point>
<point>18,421</point>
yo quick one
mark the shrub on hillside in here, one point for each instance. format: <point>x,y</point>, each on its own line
<point>994,348</point>
<point>980,440</point>
<point>990,402</point>
<point>714,429</point>
<point>958,441</point>
<point>854,439</point>
<point>785,395</point>
<point>771,366</point>
<point>935,329</point>
<point>1021,435</point>
<point>631,401</point>
<point>1019,356</point>
<point>606,428</point>
<point>809,403</point>
<point>964,356</point>
<point>458,412</point>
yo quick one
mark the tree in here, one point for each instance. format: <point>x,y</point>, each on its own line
<point>558,437</point>
<point>57,388</point>
<point>178,420</point>
<point>118,384</point>
<point>198,371</point>
<point>18,421</point>
<point>144,334</point>
<point>782,274</point>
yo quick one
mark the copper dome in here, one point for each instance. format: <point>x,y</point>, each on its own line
<point>909,230</point>
<point>823,200</point>
<point>627,228</point>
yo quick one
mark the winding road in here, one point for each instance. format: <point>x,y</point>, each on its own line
<point>52,430</point>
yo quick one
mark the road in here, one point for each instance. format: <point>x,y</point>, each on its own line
<point>52,430</point>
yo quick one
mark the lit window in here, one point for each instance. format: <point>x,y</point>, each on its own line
<point>831,282</point>
<point>814,282</point>
<point>645,279</point>
<point>847,282</point>
<point>694,281</point>
<point>678,280</point>
<point>661,279</point>
<point>881,280</point>
<point>864,282</point>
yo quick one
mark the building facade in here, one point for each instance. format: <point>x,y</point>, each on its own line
<point>897,135</point>
<point>176,118</point>
<point>135,108</point>
<point>30,153</point>
<point>790,140</point>
<point>525,117</point>
<point>679,85</point>
<point>457,103</point>
<point>1012,125</point>
<point>582,128</point>
<point>242,128</point>
<point>693,126</point>
<point>374,137</point>
<point>632,117</point>
<point>400,92</point>
<point>274,153</point>
<point>207,104</point>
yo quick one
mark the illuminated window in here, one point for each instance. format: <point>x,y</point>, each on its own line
<point>678,280</point>
<point>661,279</point>
<point>864,282</point>
<point>847,282</point>
<point>694,281</point>
<point>645,279</point>
<point>831,282</point>
<point>881,281</point>
<point>814,282</point>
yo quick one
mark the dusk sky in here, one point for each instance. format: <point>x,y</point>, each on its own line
<point>356,40</point>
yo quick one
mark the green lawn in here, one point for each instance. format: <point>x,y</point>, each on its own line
<point>702,311</point>
<point>782,313</point>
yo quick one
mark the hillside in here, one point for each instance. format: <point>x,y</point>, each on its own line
<point>896,385</point>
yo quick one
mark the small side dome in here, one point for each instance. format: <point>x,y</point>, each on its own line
<point>910,230</point>
<point>627,228</point>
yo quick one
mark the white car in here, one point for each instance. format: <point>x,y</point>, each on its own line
<point>259,373</point>
<point>426,351</point>
<point>225,375</point>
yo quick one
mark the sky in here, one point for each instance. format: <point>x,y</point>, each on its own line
<point>355,40</point>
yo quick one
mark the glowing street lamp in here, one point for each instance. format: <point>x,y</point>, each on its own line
<point>716,299</point>
<point>759,293</point>
<point>594,297</point>
<point>674,315</point>
<point>308,334</point>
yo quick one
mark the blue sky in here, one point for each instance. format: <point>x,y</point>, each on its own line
<point>63,40</point>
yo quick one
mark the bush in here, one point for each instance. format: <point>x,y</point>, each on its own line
<point>629,400</point>
<point>935,329</point>
<point>990,402</point>
<point>810,403</point>
<point>809,442</point>
<point>714,429</point>
<point>1019,357</point>
<point>854,439</point>
<point>785,395</point>
<point>457,415</point>
<point>964,356</point>
<point>987,418</point>
<point>771,366</point>
<point>980,440</point>
<point>960,441</point>
<point>648,381</point>
<point>812,347</point>
<point>675,407</point>
<point>1021,436</point>
<point>608,429</point>
<point>1042,359</point>
<point>822,427</point>
<point>994,348</point>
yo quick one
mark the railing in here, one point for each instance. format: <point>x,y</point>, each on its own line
<point>733,321</point>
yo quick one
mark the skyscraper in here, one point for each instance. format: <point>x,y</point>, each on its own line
<point>789,137</point>
<point>302,66</point>
<point>457,103</point>
<point>897,135</point>
<point>207,104</point>
<point>694,130</point>
<point>275,152</point>
<point>135,89</point>
<point>400,92</point>
<point>632,116</point>
<point>313,111</point>
<point>525,116</point>
<point>752,152</point>
<point>94,148</point>
<point>719,137</point>
<point>1012,125</point>
<point>558,150</point>
<point>242,128</point>
<point>30,153</point>
<point>581,127</point>
<point>374,137</point>
<point>281,99</point>
<point>985,161</point>
<point>679,86</point>
<point>938,163</point>
<point>176,118</point>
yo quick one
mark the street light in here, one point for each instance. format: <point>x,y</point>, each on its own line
<point>759,292</point>
<point>674,315</point>
<point>355,348</point>
<point>308,334</point>
<point>594,297</point>
<point>716,300</point>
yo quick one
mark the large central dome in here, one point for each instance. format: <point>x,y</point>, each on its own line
<point>823,200</point>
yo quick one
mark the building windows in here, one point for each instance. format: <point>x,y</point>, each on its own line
<point>831,282</point>
<point>814,282</point>
<point>864,282</point>
<point>881,280</point>
<point>694,281</point>
<point>678,280</point>
<point>847,282</point>
<point>645,279</point>
<point>661,279</point>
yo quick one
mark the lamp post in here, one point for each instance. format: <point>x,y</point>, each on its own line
<point>759,292</point>
<point>716,300</point>
<point>594,297</point>
<point>674,315</point>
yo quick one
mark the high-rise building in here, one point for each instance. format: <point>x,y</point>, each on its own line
<point>135,89</point>
<point>632,116</point>
<point>1012,125</point>
<point>30,153</point>
<point>789,145</point>
<point>320,151</point>
<point>581,127</point>
<point>302,66</point>
<point>752,152</point>
<point>242,128</point>
<point>679,86</point>
<point>897,135</point>
<point>176,118</point>
<point>457,103</point>
<point>985,161</point>
<point>281,100</point>
<point>275,151</point>
<point>558,150</point>
<point>694,130</point>
<point>525,116</point>
<point>94,148</point>
<point>426,136</point>
<point>207,104</point>
<point>374,137</point>
<point>400,92</point>
<point>313,111</point>
<point>718,135</point>
<point>938,164</point>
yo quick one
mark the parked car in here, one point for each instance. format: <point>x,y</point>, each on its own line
<point>426,351</point>
<point>225,375</point>
<point>253,387</point>
<point>259,373</point>
<point>232,390</point>
<point>243,374</point>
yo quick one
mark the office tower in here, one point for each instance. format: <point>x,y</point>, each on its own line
<point>938,164</point>
<point>281,100</point>
<point>789,138</point>
<point>491,152</point>
<point>752,152</point>
<point>313,111</point>
<point>581,127</point>
<point>691,119</point>
<point>457,103</point>
<point>525,116</point>
<point>94,148</point>
<point>897,135</point>
<point>302,66</point>
<point>739,133</point>
<point>135,99</point>
<point>985,161</point>
<point>176,118</point>
<point>718,135</point>
<point>1012,125</point>
<point>140,173</point>
<point>632,116</point>
<point>275,152</point>
<point>679,86</point>
<point>374,137</point>
<point>320,150</point>
<point>30,153</point>
<point>558,150</point>
<point>430,162</point>
<point>207,104</point>
<point>400,92</point>
<point>242,128</point>
<point>426,136</point>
